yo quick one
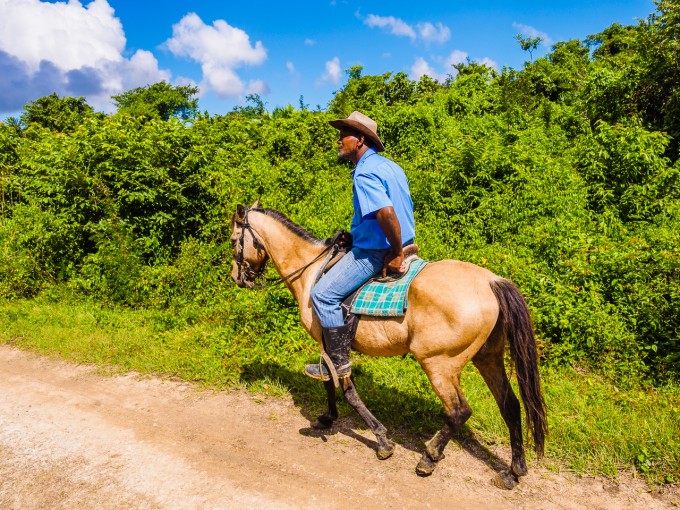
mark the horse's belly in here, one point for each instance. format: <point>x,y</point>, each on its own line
<point>382,337</point>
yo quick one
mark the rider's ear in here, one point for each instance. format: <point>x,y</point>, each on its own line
<point>256,205</point>
<point>240,212</point>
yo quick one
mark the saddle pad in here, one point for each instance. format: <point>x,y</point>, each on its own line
<point>386,299</point>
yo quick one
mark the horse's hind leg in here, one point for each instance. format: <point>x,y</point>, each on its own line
<point>489,362</point>
<point>325,421</point>
<point>445,380</point>
<point>385,446</point>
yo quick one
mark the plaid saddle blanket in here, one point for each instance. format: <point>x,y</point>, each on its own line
<point>386,299</point>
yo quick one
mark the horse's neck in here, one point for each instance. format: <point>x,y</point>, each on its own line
<point>288,252</point>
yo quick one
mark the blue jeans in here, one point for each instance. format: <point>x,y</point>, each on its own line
<point>350,273</point>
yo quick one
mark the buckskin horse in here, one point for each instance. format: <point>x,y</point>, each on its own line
<point>457,312</point>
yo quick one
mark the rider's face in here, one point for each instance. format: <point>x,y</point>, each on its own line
<point>348,143</point>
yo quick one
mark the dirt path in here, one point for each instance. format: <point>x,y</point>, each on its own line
<point>70,438</point>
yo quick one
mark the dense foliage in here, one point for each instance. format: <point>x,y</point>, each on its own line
<point>562,176</point>
<point>158,101</point>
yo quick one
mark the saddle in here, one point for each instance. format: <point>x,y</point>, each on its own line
<point>379,296</point>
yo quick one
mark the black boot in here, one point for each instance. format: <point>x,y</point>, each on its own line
<point>338,342</point>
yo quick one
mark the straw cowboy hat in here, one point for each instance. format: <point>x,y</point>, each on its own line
<point>362,123</point>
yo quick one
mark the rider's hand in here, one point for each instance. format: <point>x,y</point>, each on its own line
<point>393,264</point>
<point>344,240</point>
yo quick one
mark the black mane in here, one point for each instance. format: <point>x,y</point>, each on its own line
<point>294,227</point>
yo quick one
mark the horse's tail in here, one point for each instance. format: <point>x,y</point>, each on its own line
<point>519,331</point>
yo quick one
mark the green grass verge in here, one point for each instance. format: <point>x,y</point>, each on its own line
<point>595,427</point>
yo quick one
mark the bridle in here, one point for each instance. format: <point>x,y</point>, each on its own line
<point>245,270</point>
<point>243,266</point>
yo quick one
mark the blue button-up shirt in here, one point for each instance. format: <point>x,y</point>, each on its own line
<point>379,182</point>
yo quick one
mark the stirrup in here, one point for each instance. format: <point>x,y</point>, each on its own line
<point>321,372</point>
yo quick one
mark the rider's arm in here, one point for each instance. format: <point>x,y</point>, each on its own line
<point>389,223</point>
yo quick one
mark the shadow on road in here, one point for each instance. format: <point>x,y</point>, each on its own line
<point>422,422</point>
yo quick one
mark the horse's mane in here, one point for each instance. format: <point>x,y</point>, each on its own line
<point>294,227</point>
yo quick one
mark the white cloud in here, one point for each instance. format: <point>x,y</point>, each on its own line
<point>333,72</point>
<point>223,81</point>
<point>310,42</point>
<point>258,87</point>
<point>220,49</point>
<point>394,25</point>
<point>530,31</point>
<point>141,69</point>
<point>69,49</point>
<point>421,67</point>
<point>438,33</point>
<point>455,57</point>
<point>488,63</point>
<point>185,81</point>
<point>428,32</point>
<point>294,75</point>
<point>67,34</point>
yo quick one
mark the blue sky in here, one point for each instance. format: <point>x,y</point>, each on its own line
<point>279,50</point>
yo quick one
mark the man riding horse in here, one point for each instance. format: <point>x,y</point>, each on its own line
<point>382,225</point>
<point>457,312</point>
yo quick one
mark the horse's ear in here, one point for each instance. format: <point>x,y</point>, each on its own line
<point>256,204</point>
<point>240,212</point>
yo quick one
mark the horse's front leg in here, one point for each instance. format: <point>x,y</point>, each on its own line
<point>385,446</point>
<point>325,421</point>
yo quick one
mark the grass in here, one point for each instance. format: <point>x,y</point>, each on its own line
<point>596,428</point>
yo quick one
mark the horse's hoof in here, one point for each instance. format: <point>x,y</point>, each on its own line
<point>505,480</point>
<point>323,422</point>
<point>385,449</point>
<point>426,466</point>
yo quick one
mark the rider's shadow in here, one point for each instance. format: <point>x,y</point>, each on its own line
<point>309,397</point>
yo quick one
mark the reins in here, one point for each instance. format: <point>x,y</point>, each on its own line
<point>330,250</point>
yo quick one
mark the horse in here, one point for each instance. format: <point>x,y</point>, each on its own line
<point>457,312</point>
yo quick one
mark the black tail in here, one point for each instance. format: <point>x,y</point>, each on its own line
<point>519,330</point>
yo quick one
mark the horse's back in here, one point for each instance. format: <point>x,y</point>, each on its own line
<point>451,308</point>
<point>456,285</point>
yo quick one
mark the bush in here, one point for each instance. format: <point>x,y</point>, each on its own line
<point>546,175</point>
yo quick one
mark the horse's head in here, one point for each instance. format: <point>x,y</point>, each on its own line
<point>250,256</point>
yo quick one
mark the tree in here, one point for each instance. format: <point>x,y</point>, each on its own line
<point>643,60</point>
<point>59,114</point>
<point>426,86</point>
<point>364,93</point>
<point>529,44</point>
<point>255,106</point>
<point>159,101</point>
<point>354,72</point>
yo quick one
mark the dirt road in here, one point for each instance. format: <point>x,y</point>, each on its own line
<point>71,438</point>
